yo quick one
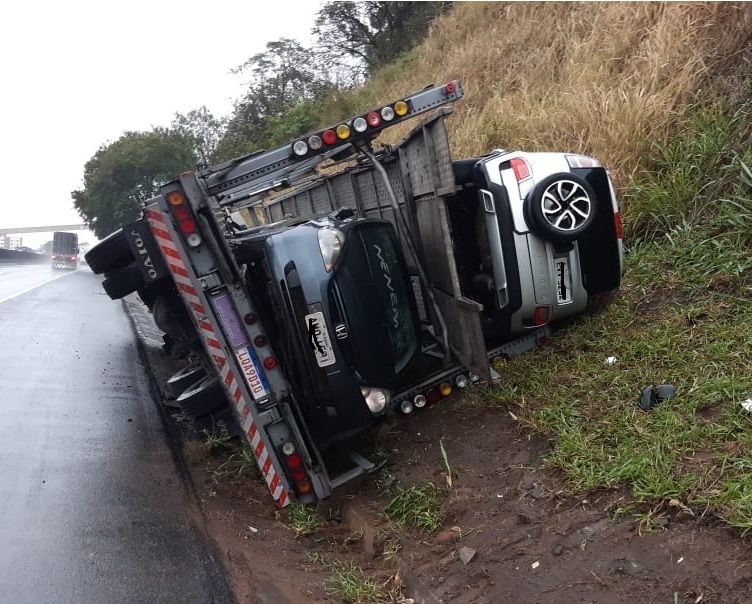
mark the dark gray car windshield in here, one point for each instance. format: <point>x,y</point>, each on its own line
<point>390,281</point>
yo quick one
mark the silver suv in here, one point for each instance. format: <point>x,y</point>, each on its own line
<point>548,233</point>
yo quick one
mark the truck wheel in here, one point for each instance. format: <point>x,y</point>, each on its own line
<point>202,397</point>
<point>123,281</point>
<point>110,254</point>
<point>561,207</point>
<point>176,384</point>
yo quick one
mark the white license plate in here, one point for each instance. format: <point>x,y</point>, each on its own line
<point>318,339</point>
<point>563,278</point>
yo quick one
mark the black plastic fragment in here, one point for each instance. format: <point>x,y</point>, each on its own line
<point>654,394</point>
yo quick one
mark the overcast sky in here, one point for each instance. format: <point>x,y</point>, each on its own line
<point>77,74</point>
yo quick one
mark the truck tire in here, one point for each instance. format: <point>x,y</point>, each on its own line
<point>201,397</point>
<point>561,207</point>
<point>123,281</point>
<point>110,254</point>
<point>187,376</point>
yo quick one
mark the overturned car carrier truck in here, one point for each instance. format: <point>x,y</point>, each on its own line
<point>311,303</point>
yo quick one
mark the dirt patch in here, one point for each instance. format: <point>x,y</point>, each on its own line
<point>508,534</point>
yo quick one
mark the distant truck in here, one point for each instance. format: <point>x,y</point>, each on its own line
<point>64,250</point>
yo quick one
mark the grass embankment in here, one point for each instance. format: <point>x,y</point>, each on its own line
<point>661,94</point>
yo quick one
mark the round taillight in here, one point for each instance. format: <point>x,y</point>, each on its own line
<point>445,389</point>
<point>260,340</point>
<point>288,448</point>
<point>400,108</point>
<point>461,381</point>
<point>387,114</point>
<point>300,148</point>
<point>187,226</point>
<point>360,124</point>
<point>193,239</point>
<point>407,407</point>
<point>304,487</point>
<point>298,474</point>
<point>294,461</point>
<point>181,212</point>
<point>250,318</point>
<point>329,137</point>
<point>314,142</point>
<point>343,131</point>
<point>433,396</point>
<point>419,400</point>
<point>174,198</point>
<point>270,362</point>
<point>373,119</point>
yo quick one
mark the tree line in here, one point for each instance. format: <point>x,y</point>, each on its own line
<point>286,90</point>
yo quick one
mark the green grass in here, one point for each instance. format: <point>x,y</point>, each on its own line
<point>417,507</point>
<point>349,583</point>
<point>682,317</point>
<point>301,519</point>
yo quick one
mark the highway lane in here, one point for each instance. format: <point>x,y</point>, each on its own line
<point>16,279</point>
<point>92,506</point>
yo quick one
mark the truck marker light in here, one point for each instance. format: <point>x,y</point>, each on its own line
<point>450,88</point>
<point>343,131</point>
<point>407,407</point>
<point>360,124</point>
<point>329,137</point>
<point>419,400</point>
<point>445,389</point>
<point>260,341</point>
<point>400,108</point>
<point>387,114</point>
<point>374,119</point>
<point>250,318</point>
<point>270,362</point>
<point>315,142</point>
<point>300,148</point>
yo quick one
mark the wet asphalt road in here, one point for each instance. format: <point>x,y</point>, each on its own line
<point>93,508</point>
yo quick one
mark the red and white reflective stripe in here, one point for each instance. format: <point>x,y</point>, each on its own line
<point>219,358</point>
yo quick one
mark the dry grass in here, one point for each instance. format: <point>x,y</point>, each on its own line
<point>602,78</point>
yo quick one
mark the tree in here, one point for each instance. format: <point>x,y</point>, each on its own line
<point>203,128</point>
<point>124,174</point>
<point>283,77</point>
<point>359,38</point>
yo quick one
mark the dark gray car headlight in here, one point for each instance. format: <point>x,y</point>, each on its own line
<point>376,398</point>
<point>331,241</point>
